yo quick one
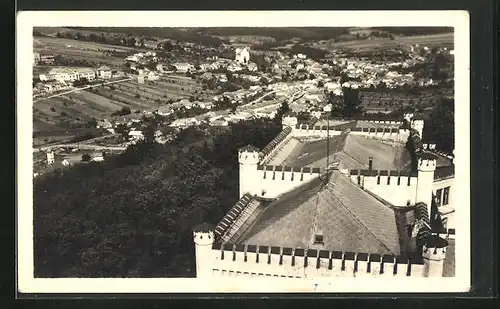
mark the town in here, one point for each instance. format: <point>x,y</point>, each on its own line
<point>84,109</point>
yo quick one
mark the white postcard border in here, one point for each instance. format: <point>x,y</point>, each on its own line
<point>25,264</point>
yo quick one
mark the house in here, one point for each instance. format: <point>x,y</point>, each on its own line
<point>365,214</point>
<point>165,110</point>
<point>65,74</point>
<point>151,44</point>
<point>46,59</point>
<point>136,135</point>
<point>152,76</point>
<point>252,67</point>
<point>183,67</point>
<point>104,72</point>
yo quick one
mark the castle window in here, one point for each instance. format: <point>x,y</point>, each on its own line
<point>378,180</point>
<point>389,180</point>
<point>438,197</point>
<point>446,195</point>
<point>399,181</point>
<point>318,239</point>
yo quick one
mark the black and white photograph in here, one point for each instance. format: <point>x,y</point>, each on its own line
<point>230,152</point>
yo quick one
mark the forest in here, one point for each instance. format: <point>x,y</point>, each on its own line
<point>132,215</point>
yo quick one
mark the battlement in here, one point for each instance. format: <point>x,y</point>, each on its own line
<point>394,187</point>
<point>276,172</point>
<point>274,145</point>
<point>248,155</point>
<point>384,177</point>
<point>231,216</point>
<point>393,122</point>
<point>425,164</point>
<point>301,262</point>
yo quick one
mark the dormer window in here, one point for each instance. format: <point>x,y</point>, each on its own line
<point>318,239</point>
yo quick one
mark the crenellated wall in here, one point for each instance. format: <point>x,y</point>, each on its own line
<point>276,180</point>
<point>250,260</point>
<point>275,145</point>
<point>395,187</point>
<point>386,134</point>
<point>306,130</point>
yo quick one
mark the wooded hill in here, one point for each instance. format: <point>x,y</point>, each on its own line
<point>132,215</point>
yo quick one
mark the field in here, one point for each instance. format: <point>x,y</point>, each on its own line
<point>383,101</point>
<point>80,50</point>
<point>385,43</point>
<point>78,108</point>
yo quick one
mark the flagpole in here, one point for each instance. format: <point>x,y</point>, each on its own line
<point>328,110</point>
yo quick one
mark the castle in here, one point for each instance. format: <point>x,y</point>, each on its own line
<point>337,198</point>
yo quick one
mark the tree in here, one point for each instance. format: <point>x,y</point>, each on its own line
<point>351,103</point>
<point>439,126</point>
<point>86,157</point>
<point>282,110</point>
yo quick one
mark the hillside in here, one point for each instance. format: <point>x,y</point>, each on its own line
<point>132,215</point>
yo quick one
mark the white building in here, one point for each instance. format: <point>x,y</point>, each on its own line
<point>183,67</point>
<point>370,216</point>
<point>104,72</point>
<point>242,55</point>
<point>71,74</point>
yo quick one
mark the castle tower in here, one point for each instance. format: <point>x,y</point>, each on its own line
<point>408,117</point>
<point>289,120</point>
<point>248,158</point>
<point>203,241</point>
<point>418,124</point>
<point>50,157</point>
<point>434,253</point>
<point>425,179</point>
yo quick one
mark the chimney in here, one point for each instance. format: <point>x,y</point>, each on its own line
<point>370,163</point>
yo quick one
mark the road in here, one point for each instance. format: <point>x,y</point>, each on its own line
<point>79,146</point>
<point>83,88</point>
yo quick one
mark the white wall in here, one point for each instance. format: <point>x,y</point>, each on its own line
<point>239,267</point>
<point>393,193</point>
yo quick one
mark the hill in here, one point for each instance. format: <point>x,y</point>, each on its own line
<point>132,215</point>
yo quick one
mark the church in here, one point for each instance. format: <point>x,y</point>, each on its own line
<point>337,198</point>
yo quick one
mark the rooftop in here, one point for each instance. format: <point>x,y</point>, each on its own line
<point>348,218</point>
<point>350,151</point>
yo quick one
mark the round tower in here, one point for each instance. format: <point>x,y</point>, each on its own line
<point>248,158</point>
<point>425,179</point>
<point>434,253</point>
<point>203,241</point>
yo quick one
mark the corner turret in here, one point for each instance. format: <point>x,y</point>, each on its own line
<point>289,120</point>
<point>418,125</point>
<point>434,253</point>
<point>203,239</point>
<point>249,158</point>
<point>425,179</point>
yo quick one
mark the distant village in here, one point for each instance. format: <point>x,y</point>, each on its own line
<point>297,79</point>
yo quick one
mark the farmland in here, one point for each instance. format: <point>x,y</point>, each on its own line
<point>81,50</point>
<point>383,101</point>
<point>78,108</point>
<point>386,43</point>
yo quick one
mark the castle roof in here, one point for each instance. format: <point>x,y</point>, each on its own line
<point>346,216</point>
<point>350,151</point>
